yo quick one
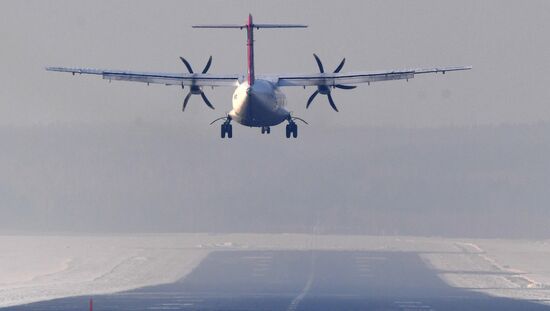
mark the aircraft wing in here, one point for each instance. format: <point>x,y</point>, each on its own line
<point>332,79</point>
<point>181,79</point>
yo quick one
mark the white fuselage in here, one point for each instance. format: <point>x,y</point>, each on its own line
<point>260,105</point>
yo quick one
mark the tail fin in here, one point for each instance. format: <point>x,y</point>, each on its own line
<point>249,26</point>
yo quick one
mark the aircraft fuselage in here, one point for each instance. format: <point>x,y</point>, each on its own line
<point>262,104</point>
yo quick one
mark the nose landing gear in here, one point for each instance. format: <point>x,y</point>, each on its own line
<point>266,130</point>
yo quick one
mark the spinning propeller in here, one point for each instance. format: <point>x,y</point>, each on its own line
<point>325,89</point>
<point>194,89</point>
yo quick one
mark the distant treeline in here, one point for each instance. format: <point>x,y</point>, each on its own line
<point>462,182</point>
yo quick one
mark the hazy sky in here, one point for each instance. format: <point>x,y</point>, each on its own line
<point>85,155</point>
<point>505,41</point>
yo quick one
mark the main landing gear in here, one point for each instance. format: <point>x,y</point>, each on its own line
<point>291,129</point>
<point>227,129</point>
<point>266,130</point>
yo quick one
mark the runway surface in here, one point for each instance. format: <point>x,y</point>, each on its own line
<point>299,280</point>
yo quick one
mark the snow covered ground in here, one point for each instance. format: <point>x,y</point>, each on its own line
<point>34,268</point>
<point>39,268</point>
<point>507,268</point>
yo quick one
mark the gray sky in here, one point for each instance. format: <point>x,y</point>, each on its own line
<point>436,155</point>
<point>505,41</point>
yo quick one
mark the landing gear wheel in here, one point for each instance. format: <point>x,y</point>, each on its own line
<point>292,130</point>
<point>268,130</point>
<point>227,129</point>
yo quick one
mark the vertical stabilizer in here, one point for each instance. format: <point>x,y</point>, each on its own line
<point>249,26</point>
<point>250,49</point>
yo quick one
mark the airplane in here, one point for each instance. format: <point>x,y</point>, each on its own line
<point>258,101</point>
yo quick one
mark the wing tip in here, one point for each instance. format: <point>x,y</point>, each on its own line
<point>460,68</point>
<point>59,69</point>
<point>464,67</point>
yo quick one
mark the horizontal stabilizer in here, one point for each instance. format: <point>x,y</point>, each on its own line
<point>257,26</point>
<point>220,26</point>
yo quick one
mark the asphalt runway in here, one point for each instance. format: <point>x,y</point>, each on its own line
<point>298,280</point>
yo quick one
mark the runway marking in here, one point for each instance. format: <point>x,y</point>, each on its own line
<point>517,278</point>
<point>364,265</point>
<point>368,258</point>
<point>172,306</point>
<point>269,258</point>
<point>190,300</point>
<point>294,304</point>
<point>412,305</point>
<point>260,265</point>
<point>165,308</point>
<point>260,268</point>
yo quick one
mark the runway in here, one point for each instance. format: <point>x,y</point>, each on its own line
<point>299,280</point>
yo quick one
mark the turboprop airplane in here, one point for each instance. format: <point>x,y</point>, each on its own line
<point>258,101</point>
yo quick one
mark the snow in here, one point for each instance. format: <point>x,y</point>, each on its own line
<point>505,268</point>
<point>34,268</point>
<point>40,268</point>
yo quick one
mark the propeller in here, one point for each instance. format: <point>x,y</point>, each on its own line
<point>195,89</point>
<point>325,89</point>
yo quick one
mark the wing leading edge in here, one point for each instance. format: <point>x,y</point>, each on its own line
<point>332,79</point>
<point>214,80</point>
<point>181,79</point>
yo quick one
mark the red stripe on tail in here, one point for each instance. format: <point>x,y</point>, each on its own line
<point>250,46</point>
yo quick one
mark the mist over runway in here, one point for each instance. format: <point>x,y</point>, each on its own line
<point>278,271</point>
<point>300,280</point>
<point>455,182</point>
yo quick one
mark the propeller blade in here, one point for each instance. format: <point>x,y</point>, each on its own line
<point>206,101</point>
<point>205,70</point>
<point>187,64</point>
<point>319,63</point>
<point>331,102</point>
<point>186,100</point>
<point>310,100</point>
<point>345,87</point>
<point>340,66</point>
